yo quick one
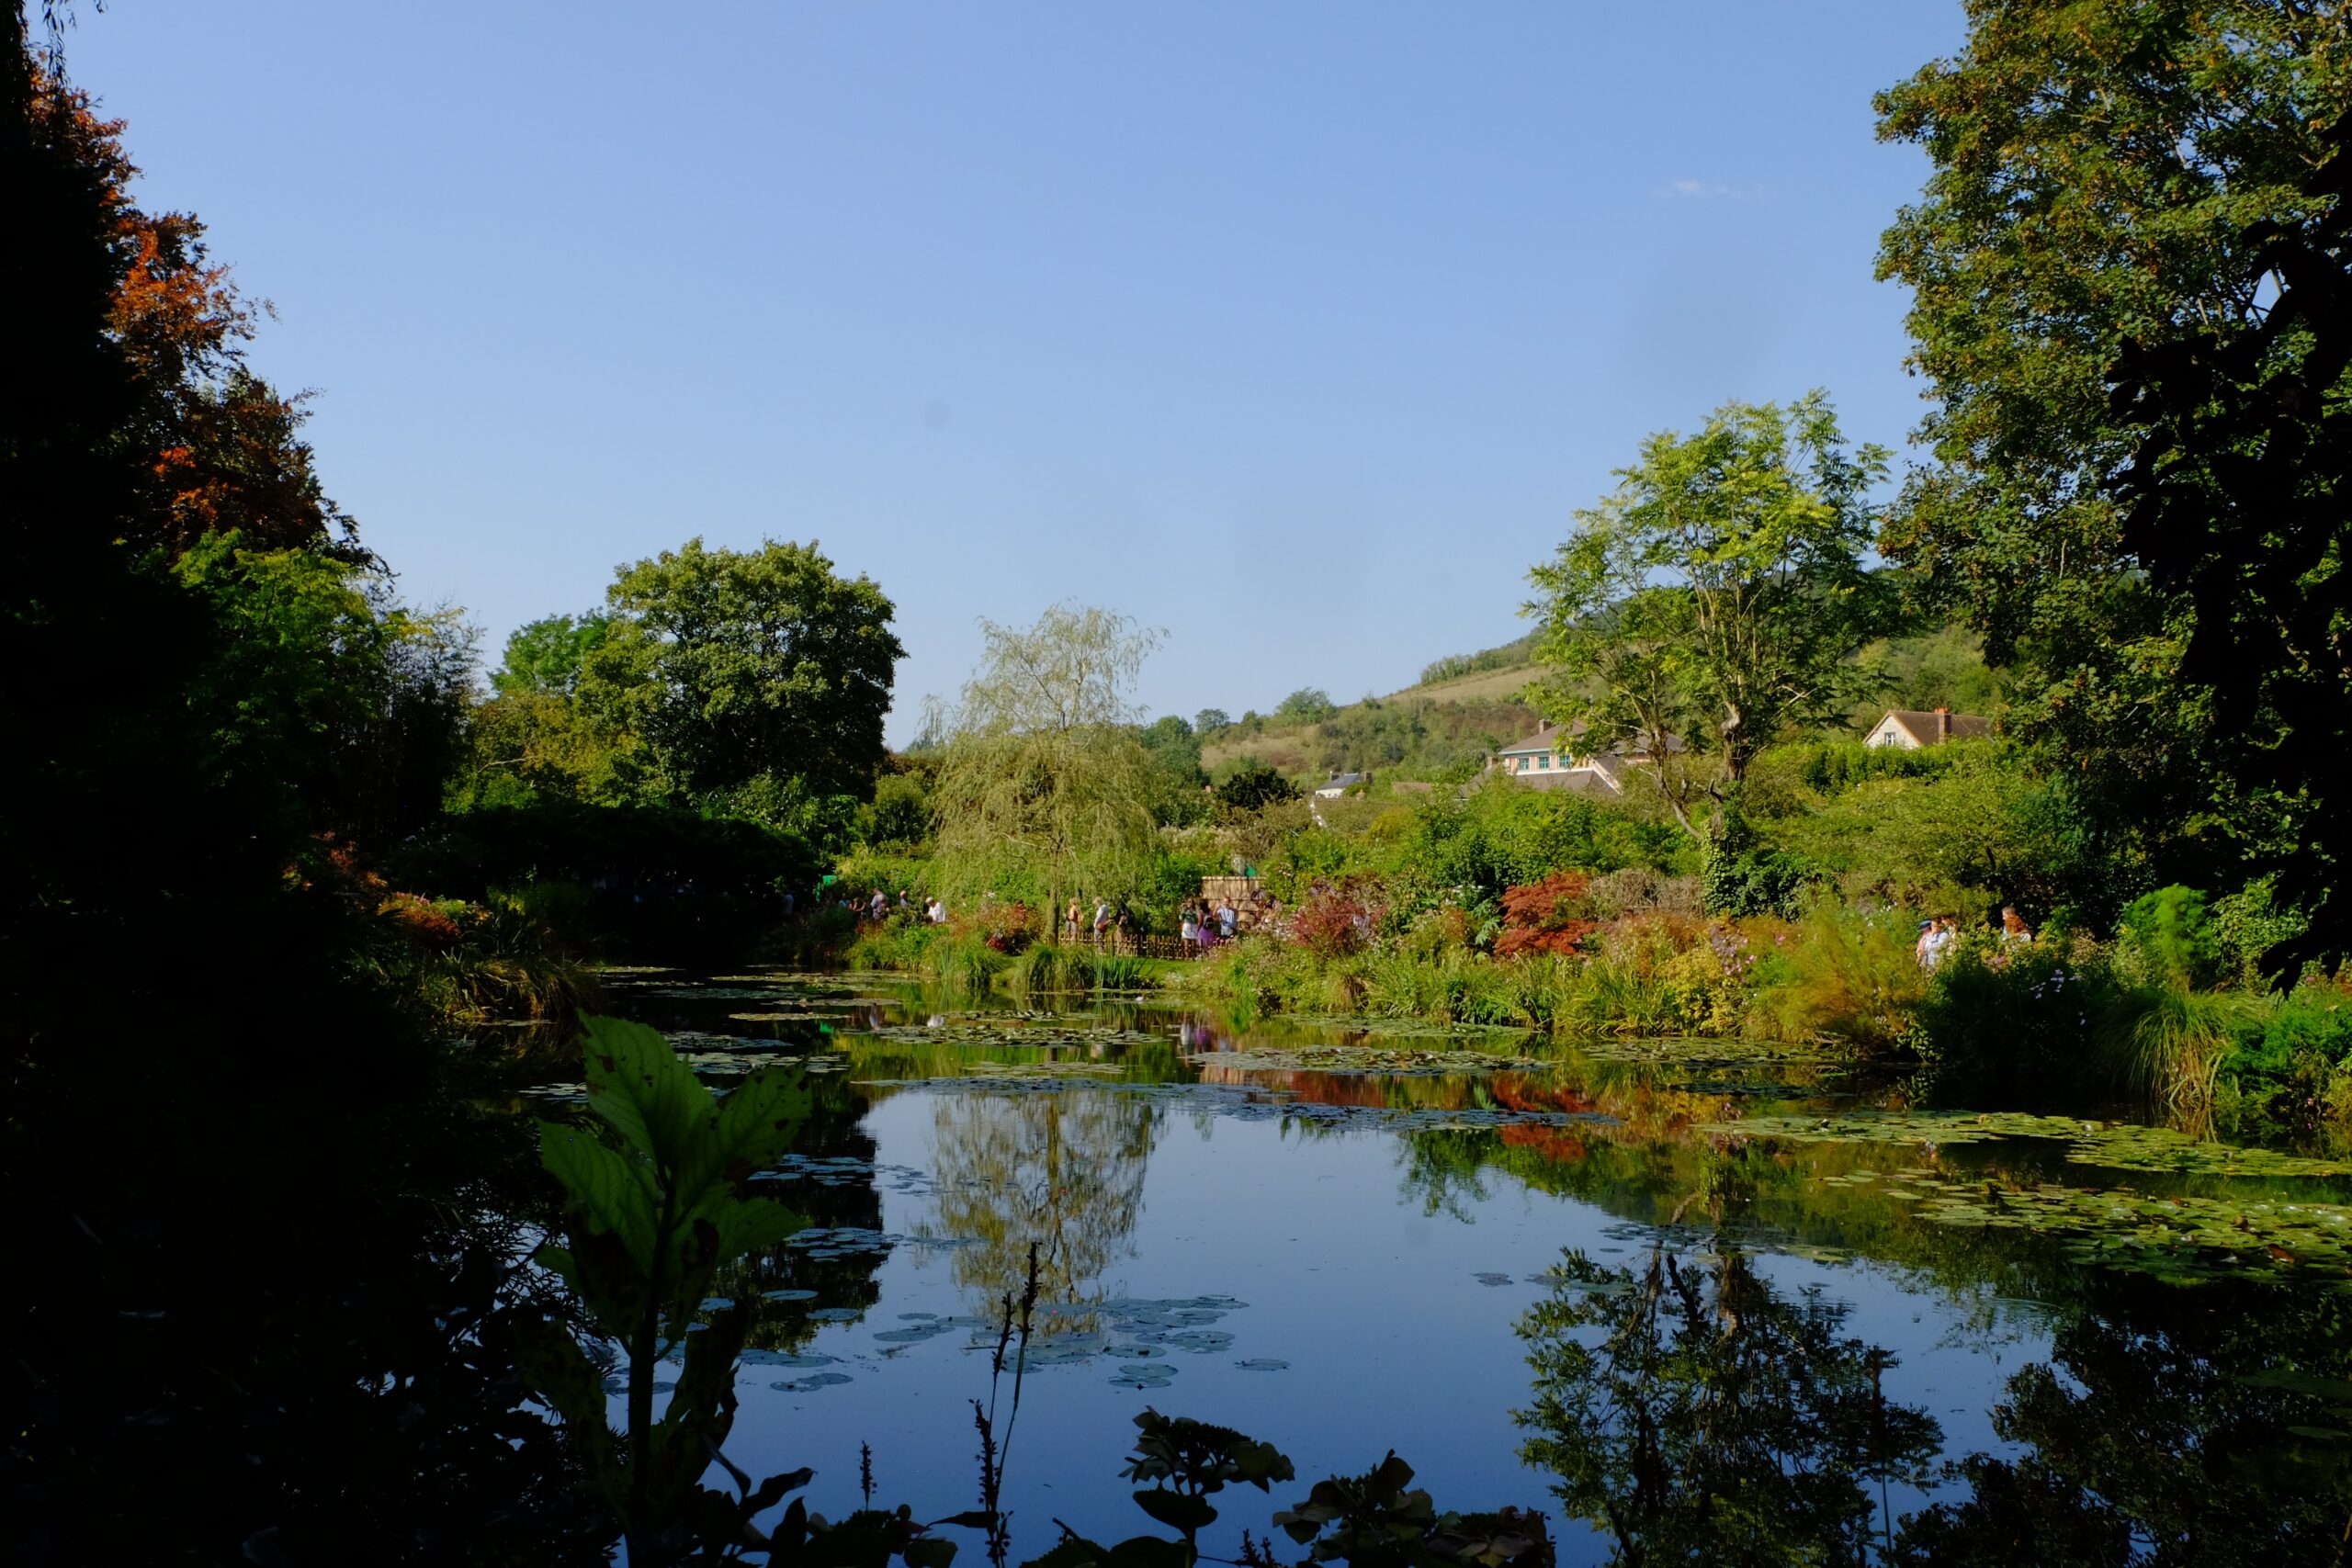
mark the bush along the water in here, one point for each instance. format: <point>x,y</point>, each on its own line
<point>2171,1017</point>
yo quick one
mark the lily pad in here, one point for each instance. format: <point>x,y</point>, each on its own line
<point>813,1381</point>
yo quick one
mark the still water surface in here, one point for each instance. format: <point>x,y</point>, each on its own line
<point>1341,1263</point>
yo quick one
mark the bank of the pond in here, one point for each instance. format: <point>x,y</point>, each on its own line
<point>1481,1247</point>
<point>2066,1024</point>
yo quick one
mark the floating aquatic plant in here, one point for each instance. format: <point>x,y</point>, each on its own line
<point>2119,1144</point>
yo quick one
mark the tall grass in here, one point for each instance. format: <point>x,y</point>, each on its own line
<point>2164,1045</point>
<point>1048,969</point>
<point>1848,977</point>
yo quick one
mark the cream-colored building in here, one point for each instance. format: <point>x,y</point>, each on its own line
<point>1912,729</point>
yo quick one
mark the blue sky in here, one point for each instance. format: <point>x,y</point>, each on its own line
<point>1295,330</point>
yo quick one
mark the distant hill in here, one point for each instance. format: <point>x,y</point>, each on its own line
<point>1468,704</point>
<point>1462,707</point>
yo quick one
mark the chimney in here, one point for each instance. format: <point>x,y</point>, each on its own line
<point>1943,723</point>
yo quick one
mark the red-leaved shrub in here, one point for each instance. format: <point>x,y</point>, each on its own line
<point>1336,921</point>
<point>1550,916</point>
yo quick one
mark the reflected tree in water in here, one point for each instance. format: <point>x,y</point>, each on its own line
<point>2170,1427</point>
<point>1064,1170</point>
<point>1698,1415</point>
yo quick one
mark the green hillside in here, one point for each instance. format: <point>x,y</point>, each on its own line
<point>1440,726</point>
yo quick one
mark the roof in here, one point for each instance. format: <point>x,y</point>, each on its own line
<point>1922,725</point>
<point>1547,737</point>
<point>1340,782</point>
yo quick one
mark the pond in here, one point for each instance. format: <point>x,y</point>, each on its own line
<point>1723,1291</point>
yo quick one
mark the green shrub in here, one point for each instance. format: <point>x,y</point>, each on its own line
<point>2016,1035</point>
<point>2166,1045</point>
<point>2294,1073</point>
<point>2248,924</point>
<point>2173,936</point>
<point>664,885</point>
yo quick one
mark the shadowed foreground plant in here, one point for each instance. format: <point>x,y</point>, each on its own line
<point>651,1216</point>
<point>1368,1521</point>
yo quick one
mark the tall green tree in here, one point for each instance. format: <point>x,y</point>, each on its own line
<point>758,675</point>
<point>1179,794</point>
<point>550,654</point>
<point>1717,598</point>
<point>2239,501</point>
<point>2101,168</point>
<point>1043,780</point>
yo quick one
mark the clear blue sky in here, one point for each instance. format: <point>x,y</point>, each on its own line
<point>1298,330</point>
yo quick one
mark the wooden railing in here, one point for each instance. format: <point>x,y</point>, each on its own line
<point>1129,944</point>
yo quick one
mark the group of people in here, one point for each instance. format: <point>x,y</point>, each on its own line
<point>1940,934</point>
<point>1200,923</point>
<point>876,907</point>
<point>1108,920</point>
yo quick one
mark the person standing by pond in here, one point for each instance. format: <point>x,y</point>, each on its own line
<point>1070,920</point>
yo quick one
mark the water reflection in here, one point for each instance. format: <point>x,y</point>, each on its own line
<point>2204,1426</point>
<point>1691,1406</point>
<point>1699,1415</point>
<point>1063,1170</point>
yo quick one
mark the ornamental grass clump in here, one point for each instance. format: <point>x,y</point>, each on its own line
<point>2164,1045</point>
<point>1847,976</point>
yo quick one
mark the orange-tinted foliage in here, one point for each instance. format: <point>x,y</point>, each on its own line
<point>1550,916</point>
<point>417,917</point>
<point>219,446</point>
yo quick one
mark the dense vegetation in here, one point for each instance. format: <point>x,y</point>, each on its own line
<point>284,862</point>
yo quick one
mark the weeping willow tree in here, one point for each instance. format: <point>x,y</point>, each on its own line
<point>1044,785</point>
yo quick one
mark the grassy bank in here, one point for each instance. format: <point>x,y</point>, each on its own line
<point>2065,1023</point>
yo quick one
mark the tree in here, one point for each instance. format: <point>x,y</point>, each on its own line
<point>1043,779</point>
<point>1718,597</point>
<point>2238,502</point>
<point>2100,167</point>
<point>1253,786</point>
<point>1306,705</point>
<point>548,654</point>
<point>753,673</point>
<point>1178,782</point>
<point>1210,719</point>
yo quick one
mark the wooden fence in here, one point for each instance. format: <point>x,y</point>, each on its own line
<point>1128,944</point>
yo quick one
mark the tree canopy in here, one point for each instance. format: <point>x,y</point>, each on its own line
<point>1043,779</point>
<point>1718,596</point>
<point>2104,173</point>
<point>746,670</point>
<point>550,653</point>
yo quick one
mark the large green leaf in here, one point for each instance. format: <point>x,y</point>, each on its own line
<point>637,1083</point>
<point>615,1194</point>
<point>753,1126</point>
